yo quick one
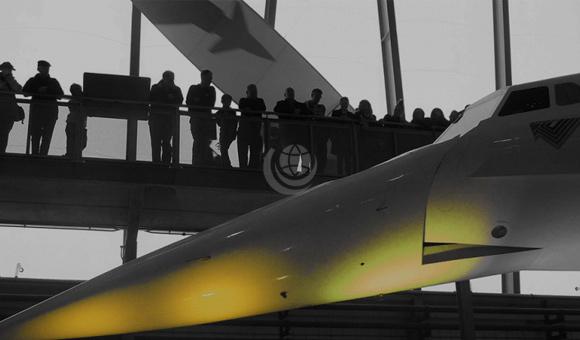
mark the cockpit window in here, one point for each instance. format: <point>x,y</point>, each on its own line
<point>527,100</point>
<point>473,115</point>
<point>567,94</point>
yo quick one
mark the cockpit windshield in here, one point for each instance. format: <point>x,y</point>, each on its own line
<point>473,114</point>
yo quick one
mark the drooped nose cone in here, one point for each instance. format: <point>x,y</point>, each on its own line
<point>243,282</point>
<point>356,237</point>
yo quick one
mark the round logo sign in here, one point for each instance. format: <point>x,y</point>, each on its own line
<point>289,170</point>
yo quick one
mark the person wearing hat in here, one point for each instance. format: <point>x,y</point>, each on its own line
<point>45,91</point>
<point>8,106</point>
<point>166,98</point>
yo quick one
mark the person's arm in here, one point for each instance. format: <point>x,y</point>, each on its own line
<point>262,105</point>
<point>179,98</point>
<point>212,97</point>
<point>153,94</point>
<point>29,87</point>
<point>190,94</point>
<point>13,84</point>
<point>242,105</point>
<point>54,89</point>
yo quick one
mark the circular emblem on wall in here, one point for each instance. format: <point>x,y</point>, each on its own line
<point>289,170</point>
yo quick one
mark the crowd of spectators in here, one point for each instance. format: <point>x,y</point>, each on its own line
<point>166,98</point>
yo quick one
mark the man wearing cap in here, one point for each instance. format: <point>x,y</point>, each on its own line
<point>43,107</point>
<point>166,98</point>
<point>8,104</point>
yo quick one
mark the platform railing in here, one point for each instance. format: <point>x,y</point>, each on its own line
<point>340,146</point>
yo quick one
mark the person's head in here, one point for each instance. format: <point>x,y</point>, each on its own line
<point>226,100</point>
<point>316,95</point>
<point>399,112</point>
<point>6,68</point>
<point>418,114</point>
<point>289,94</point>
<point>168,77</point>
<point>437,115</point>
<point>206,77</point>
<point>365,108</point>
<point>252,91</point>
<point>43,67</point>
<point>76,90</point>
<point>453,116</point>
<point>344,103</point>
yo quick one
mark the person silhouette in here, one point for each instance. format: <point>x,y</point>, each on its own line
<point>291,132</point>
<point>438,119</point>
<point>249,129</point>
<point>202,97</point>
<point>76,124</point>
<point>320,131</point>
<point>8,106</point>
<point>227,121</point>
<point>364,112</point>
<point>419,118</point>
<point>45,92</point>
<point>340,141</point>
<point>166,98</point>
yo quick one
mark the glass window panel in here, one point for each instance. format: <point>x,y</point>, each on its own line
<point>567,94</point>
<point>527,100</point>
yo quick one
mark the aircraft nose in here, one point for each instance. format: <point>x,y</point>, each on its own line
<point>235,284</point>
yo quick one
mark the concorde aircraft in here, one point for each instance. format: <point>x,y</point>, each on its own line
<point>498,192</point>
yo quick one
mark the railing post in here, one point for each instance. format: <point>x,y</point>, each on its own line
<point>356,153</point>
<point>266,133</point>
<point>176,138</point>
<point>28,133</point>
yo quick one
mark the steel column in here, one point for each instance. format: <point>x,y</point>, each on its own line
<point>502,48</point>
<point>270,12</point>
<point>130,233</point>
<point>510,282</point>
<point>465,311</point>
<point>131,151</point>
<point>390,47</point>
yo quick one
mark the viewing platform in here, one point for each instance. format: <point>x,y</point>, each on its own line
<point>98,192</point>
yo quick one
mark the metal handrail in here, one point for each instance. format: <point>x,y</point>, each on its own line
<point>353,131</point>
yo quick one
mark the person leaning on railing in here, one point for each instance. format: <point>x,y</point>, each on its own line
<point>76,124</point>
<point>227,121</point>
<point>249,138</point>
<point>340,141</point>
<point>9,109</point>
<point>203,127</point>
<point>292,131</point>
<point>321,132</point>
<point>45,91</point>
<point>165,99</point>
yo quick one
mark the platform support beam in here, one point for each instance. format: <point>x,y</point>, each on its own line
<point>465,304</point>
<point>390,48</point>
<point>135,57</point>
<point>130,234</point>
<point>510,283</point>
<point>270,12</point>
